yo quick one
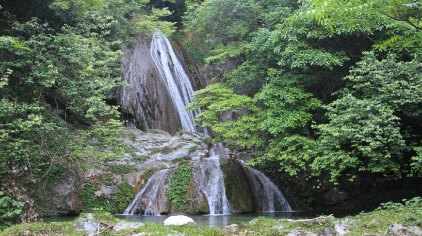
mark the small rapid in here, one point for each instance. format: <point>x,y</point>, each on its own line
<point>268,195</point>
<point>152,199</point>
<point>208,176</point>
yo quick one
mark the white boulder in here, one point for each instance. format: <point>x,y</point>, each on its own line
<point>179,220</point>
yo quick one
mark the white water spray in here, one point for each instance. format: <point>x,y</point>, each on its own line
<point>175,78</point>
<point>268,195</point>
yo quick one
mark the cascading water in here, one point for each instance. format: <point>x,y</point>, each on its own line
<point>175,78</point>
<point>206,172</point>
<point>151,200</point>
<point>208,176</point>
<point>269,197</point>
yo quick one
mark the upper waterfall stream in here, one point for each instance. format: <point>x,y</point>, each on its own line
<point>175,78</point>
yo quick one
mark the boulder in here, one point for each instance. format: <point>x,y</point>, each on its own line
<point>88,223</point>
<point>401,230</point>
<point>179,220</point>
<point>233,228</point>
<point>342,228</point>
<point>300,233</point>
<point>128,225</point>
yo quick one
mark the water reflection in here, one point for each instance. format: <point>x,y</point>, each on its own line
<point>220,221</point>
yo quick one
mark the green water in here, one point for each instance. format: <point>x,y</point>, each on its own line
<point>220,221</point>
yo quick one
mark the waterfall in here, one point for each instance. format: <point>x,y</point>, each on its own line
<point>268,197</point>
<point>206,172</point>
<point>175,78</point>
<point>152,199</point>
<point>208,176</point>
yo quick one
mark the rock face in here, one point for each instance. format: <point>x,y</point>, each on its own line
<point>58,195</point>
<point>139,180</point>
<point>145,100</point>
<point>238,188</point>
<point>128,225</point>
<point>179,220</point>
<point>401,230</point>
<point>198,203</point>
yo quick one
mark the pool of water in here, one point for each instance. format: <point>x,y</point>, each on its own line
<point>220,221</point>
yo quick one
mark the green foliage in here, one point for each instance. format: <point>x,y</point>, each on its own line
<point>224,20</point>
<point>149,24</point>
<point>218,101</point>
<point>122,198</point>
<point>407,213</point>
<point>322,91</point>
<point>285,107</point>
<point>66,228</point>
<point>267,226</point>
<point>397,84</point>
<point>371,135</point>
<point>122,169</point>
<point>416,165</point>
<point>42,228</point>
<point>10,210</point>
<point>177,192</point>
<point>246,122</point>
<point>59,63</point>
<point>375,222</point>
<point>400,20</point>
<point>88,199</point>
<point>115,204</point>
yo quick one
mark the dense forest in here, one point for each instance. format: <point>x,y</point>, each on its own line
<point>324,93</point>
<point>321,95</point>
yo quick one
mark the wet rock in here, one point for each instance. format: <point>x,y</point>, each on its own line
<point>106,191</point>
<point>128,225</point>
<point>277,227</point>
<point>301,233</point>
<point>87,222</point>
<point>58,195</point>
<point>153,199</point>
<point>160,146</point>
<point>267,195</point>
<point>179,220</point>
<point>318,220</point>
<point>140,234</point>
<point>253,222</point>
<point>198,203</point>
<point>238,190</point>
<point>327,232</point>
<point>145,98</point>
<point>93,173</point>
<point>342,228</point>
<point>233,228</point>
<point>399,230</point>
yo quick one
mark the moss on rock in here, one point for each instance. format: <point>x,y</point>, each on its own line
<point>238,190</point>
